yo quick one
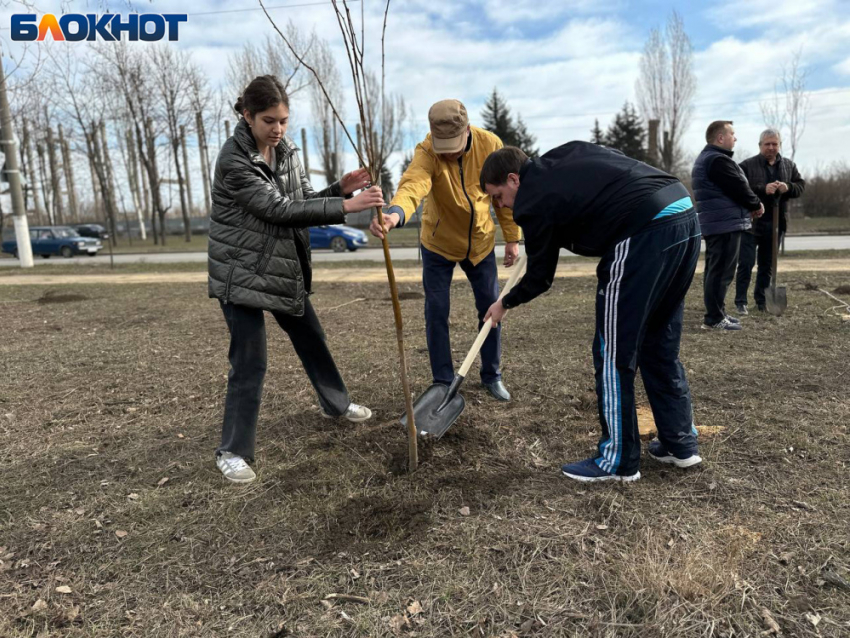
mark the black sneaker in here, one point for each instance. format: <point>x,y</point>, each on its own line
<point>732,319</point>
<point>723,324</point>
<point>762,308</point>
<point>741,308</point>
<point>588,471</point>
<point>659,453</point>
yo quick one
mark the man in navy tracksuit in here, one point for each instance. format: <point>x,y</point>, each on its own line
<point>597,202</point>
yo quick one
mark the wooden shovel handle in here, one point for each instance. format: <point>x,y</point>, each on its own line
<point>516,273</point>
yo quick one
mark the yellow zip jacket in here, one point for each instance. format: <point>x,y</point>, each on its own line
<point>456,221</point>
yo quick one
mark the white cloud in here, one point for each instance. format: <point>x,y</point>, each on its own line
<point>778,16</point>
<point>583,68</point>
<point>843,67</point>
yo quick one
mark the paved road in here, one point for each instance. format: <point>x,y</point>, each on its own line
<point>810,242</point>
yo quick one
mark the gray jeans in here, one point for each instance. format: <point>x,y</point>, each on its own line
<point>247,356</point>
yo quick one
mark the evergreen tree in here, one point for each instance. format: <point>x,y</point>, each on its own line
<point>597,136</point>
<point>627,134</point>
<point>497,119</point>
<point>524,139</point>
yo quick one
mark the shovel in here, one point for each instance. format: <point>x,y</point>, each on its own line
<point>439,406</point>
<point>775,297</point>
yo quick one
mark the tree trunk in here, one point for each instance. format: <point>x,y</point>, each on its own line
<point>186,171</point>
<point>69,176</point>
<point>32,174</point>
<point>153,177</point>
<point>103,180</point>
<point>45,188</point>
<point>181,186</point>
<point>99,211</point>
<point>205,160</point>
<point>55,179</point>
<point>133,174</point>
<point>227,129</point>
<point>144,180</point>
<point>304,154</point>
<point>110,181</point>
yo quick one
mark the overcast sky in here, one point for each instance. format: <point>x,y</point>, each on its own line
<point>560,64</point>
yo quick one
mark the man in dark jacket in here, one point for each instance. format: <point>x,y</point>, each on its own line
<point>726,205</point>
<point>775,179</point>
<point>597,202</point>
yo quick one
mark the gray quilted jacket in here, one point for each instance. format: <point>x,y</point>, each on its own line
<point>259,245</point>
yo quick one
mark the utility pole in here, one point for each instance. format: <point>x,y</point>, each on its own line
<point>22,233</point>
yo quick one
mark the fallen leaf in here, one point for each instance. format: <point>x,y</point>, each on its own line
<point>120,533</point>
<point>180,436</point>
<point>771,626</point>
<point>39,605</point>
<point>813,618</point>
<point>162,481</point>
<point>414,608</point>
<point>399,622</point>
<point>63,589</point>
<point>785,558</point>
<point>464,511</point>
<point>602,527</point>
<point>133,496</point>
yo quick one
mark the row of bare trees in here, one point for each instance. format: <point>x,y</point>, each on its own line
<point>101,127</point>
<point>115,132</point>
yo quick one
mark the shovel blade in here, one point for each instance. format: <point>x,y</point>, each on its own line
<point>776,300</point>
<point>429,419</point>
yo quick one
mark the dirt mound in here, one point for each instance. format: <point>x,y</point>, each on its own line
<point>842,290</point>
<point>373,518</point>
<point>402,296</point>
<point>52,297</point>
<point>398,456</point>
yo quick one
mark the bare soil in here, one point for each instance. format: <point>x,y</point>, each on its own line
<point>114,520</point>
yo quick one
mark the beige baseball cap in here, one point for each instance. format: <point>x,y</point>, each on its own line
<point>448,122</point>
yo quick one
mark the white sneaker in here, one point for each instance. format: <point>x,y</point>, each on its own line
<point>234,468</point>
<point>355,413</point>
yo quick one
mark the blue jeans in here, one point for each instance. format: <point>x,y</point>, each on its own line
<point>437,280</point>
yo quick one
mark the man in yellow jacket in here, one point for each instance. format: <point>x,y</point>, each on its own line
<point>456,228</point>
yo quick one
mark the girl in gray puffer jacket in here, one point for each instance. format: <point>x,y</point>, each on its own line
<point>259,259</point>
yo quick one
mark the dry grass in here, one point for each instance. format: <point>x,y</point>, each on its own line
<point>103,398</point>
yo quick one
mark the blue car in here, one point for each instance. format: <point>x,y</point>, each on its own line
<point>56,240</point>
<point>338,238</point>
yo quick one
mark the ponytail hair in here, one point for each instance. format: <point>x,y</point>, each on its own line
<point>263,92</point>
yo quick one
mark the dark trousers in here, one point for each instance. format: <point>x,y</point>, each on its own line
<point>755,248</point>
<point>640,301</point>
<point>721,258</point>
<point>247,356</point>
<point>437,280</point>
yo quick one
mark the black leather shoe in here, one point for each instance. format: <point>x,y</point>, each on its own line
<point>498,390</point>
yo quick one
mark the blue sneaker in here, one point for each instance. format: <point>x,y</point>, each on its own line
<point>657,451</point>
<point>589,472</point>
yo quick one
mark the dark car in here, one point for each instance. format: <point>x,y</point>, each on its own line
<point>56,240</point>
<point>338,238</point>
<point>91,230</point>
